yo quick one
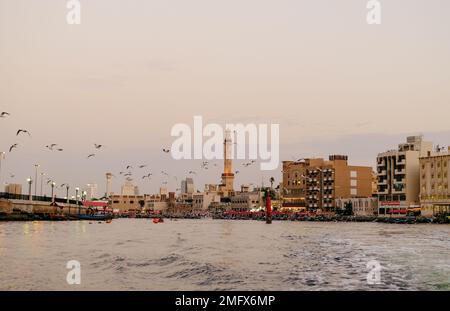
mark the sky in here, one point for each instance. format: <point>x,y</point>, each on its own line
<point>133,69</point>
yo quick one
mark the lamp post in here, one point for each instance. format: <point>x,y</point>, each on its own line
<point>2,157</point>
<point>36,167</point>
<point>67,193</point>
<point>29,181</point>
<point>42,178</point>
<point>53,188</point>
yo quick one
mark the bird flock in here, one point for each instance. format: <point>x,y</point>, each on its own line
<point>129,172</point>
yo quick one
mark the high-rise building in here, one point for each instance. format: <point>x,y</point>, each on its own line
<point>108,184</point>
<point>91,191</point>
<point>187,186</point>
<point>398,176</point>
<point>228,175</point>
<point>435,183</point>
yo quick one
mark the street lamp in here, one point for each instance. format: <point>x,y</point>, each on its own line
<point>67,193</point>
<point>2,157</point>
<point>42,177</point>
<point>53,187</point>
<point>36,167</point>
<point>29,181</point>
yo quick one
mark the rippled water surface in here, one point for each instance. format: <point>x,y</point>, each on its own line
<point>135,254</point>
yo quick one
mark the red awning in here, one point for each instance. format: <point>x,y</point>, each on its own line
<point>95,203</point>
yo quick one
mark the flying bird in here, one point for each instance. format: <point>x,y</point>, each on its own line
<point>13,146</point>
<point>91,155</point>
<point>98,146</point>
<point>237,172</point>
<point>4,114</point>
<point>51,146</point>
<point>22,131</point>
<point>60,149</point>
<point>129,167</point>
<point>142,166</point>
<point>12,175</point>
<point>192,172</point>
<point>166,150</point>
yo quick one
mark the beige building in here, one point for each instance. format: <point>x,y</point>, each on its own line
<point>13,189</point>
<point>125,203</point>
<point>435,183</point>
<point>293,186</point>
<point>314,184</point>
<point>246,201</point>
<point>398,176</point>
<point>202,201</point>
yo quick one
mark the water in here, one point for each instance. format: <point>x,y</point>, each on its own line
<point>135,254</point>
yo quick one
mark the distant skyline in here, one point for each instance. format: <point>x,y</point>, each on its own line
<point>133,69</point>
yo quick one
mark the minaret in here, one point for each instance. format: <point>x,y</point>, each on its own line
<point>108,184</point>
<point>228,176</point>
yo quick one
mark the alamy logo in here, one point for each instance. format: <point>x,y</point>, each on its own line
<point>221,142</point>
<point>374,14</point>
<point>74,275</point>
<point>374,275</point>
<point>73,17</point>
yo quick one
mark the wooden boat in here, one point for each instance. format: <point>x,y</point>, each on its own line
<point>98,217</point>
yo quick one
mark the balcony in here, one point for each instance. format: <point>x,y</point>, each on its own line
<point>382,172</point>
<point>401,171</point>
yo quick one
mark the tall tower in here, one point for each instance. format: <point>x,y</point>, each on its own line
<point>228,176</point>
<point>108,184</point>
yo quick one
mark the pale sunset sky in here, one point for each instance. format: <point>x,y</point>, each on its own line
<point>134,68</point>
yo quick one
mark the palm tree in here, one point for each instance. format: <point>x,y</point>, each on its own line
<point>272,180</point>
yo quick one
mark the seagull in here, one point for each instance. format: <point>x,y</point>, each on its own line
<point>147,176</point>
<point>164,173</point>
<point>166,150</point>
<point>60,149</point>
<point>63,185</point>
<point>22,131</point>
<point>12,175</point>
<point>91,155</point>
<point>142,166</point>
<point>128,174</point>
<point>129,166</point>
<point>192,172</point>
<point>3,114</point>
<point>51,146</point>
<point>237,172</point>
<point>98,146</point>
<point>13,146</point>
<point>121,173</point>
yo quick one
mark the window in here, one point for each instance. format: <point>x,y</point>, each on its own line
<point>353,182</point>
<point>353,174</point>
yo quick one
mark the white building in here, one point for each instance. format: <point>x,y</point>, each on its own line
<point>360,206</point>
<point>91,191</point>
<point>398,176</point>
<point>128,189</point>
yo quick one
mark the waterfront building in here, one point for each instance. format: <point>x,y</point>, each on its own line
<point>293,186</point>
<point>360,206</point>
<point>246,201</point>
<point>315,183</point>
<point>398,176</point>
<point>333,179</point>
<point>435,183</point>
<point>202,201</point>
<point>125,203</point>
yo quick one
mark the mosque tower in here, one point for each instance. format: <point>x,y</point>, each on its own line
<point>228,176</point>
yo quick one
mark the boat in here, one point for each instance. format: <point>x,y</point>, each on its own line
<point>98,217</point>
<point>158,220</point>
